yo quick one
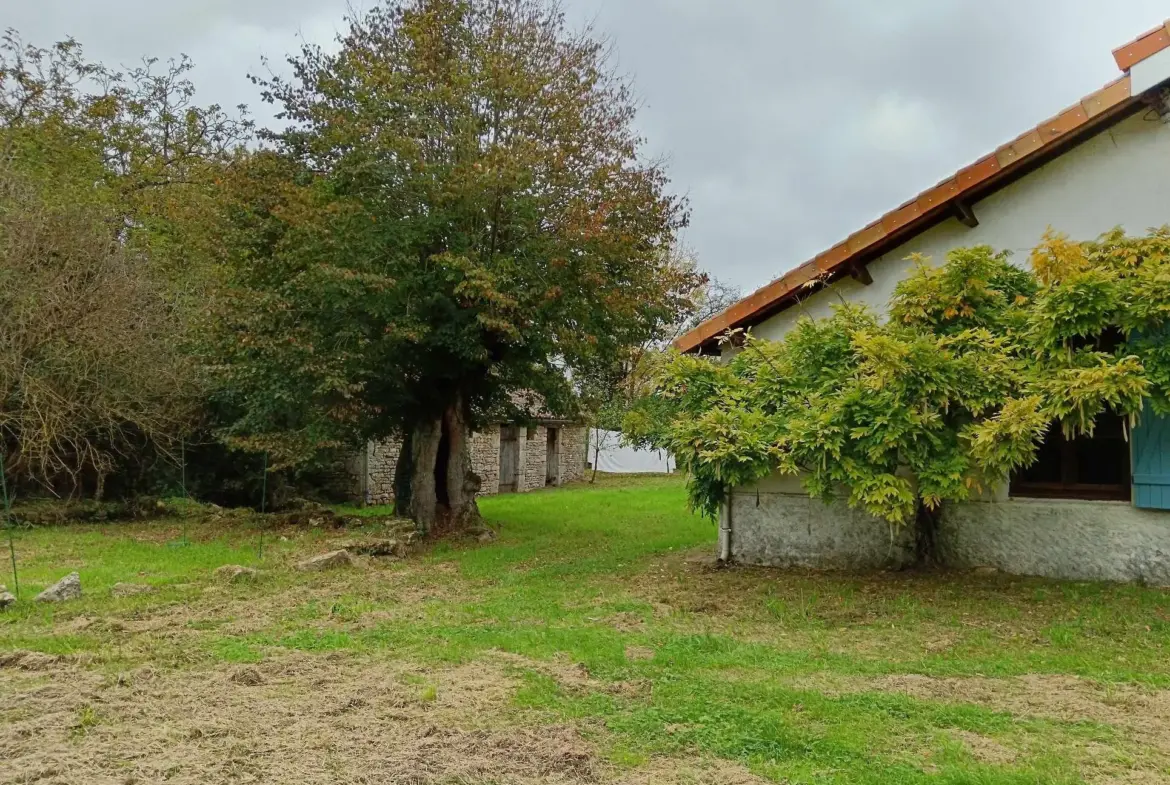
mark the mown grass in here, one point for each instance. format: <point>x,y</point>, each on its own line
<point>781,671</point>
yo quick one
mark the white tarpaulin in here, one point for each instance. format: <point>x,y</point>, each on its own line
<point>616,459</point>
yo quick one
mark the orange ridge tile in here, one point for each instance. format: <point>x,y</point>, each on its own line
<point>903,216</point>
<point>1107,97</point>
<point>1144,46</point>
<point>937,196</point>
<point>1068,120</point>
<point>977,172</point>
<point>829,260</point>
<point>871,234</point>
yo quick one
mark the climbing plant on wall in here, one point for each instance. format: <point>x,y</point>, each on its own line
<point>944,399</point>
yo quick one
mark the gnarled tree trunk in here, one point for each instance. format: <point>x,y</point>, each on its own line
<point>443,487</point>
<point>424,501</point>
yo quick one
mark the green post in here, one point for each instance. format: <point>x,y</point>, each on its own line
<point>8,525</point>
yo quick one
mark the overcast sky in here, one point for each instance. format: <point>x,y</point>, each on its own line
<point>788,124</point>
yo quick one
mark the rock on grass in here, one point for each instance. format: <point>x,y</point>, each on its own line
<point>7,598</point>
<point>68,588</point>
<point>327,561</point>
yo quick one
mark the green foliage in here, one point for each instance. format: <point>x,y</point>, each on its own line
<point>950,396</point>
<point>458,210</point>
<point>107,181</point>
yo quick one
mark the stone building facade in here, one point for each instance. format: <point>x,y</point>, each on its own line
<point>527,457</point>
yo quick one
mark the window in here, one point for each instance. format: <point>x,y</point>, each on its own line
<point>1096,467</point>
<point>531,433</point>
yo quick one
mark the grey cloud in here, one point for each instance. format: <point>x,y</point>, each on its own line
<point>788,124</point>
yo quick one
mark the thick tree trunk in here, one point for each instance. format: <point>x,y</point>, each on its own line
<point>463,484</point>
<point>443,487</point>
<point>424,501</point>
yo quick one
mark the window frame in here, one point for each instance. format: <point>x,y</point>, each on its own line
<point>1068,487</point>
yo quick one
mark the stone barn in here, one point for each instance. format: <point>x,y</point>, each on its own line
<point>508,457</point>
<point>1091,508</point>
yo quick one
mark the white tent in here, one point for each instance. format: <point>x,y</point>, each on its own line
<point>614,458</point>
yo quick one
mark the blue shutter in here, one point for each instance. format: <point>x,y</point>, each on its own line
<point>1151,462</point>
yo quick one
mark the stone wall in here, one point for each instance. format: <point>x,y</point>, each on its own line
<point>341,479</point>
<point>485,459</point>
<point>777,524</point>
<point>534,458</point>
<point>574,442</point>
<point>382,459</point>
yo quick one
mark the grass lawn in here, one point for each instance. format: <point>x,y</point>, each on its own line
<point>592,641</point>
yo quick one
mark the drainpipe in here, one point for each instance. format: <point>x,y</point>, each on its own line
<point>725,531</point>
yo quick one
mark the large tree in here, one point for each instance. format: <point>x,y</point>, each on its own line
<point>946,398</point>
<point>457,211</point>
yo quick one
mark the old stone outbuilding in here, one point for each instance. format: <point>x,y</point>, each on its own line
<point>508,458</point>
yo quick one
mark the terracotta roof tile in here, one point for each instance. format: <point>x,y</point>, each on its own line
<point>1027,143</point>
<point>917,214</point>
<point>801,275</point>
<point>977,172</point>
<point>903,216</point>
<point>1068,120</point>
<point>1107,97</point>
<point>833,257</point>
<point>937,196</point>
<point>1144,46</point>
<point>871,234</point>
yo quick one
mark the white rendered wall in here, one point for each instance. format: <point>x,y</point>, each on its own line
<point>1118,178</point>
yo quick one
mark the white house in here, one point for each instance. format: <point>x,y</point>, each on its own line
<point>1090,509</point>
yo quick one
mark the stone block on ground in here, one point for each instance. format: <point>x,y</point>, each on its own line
<point>7,598</point>
<point>327,561</point>
<point>68,588</point>
<point>234,573</point>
